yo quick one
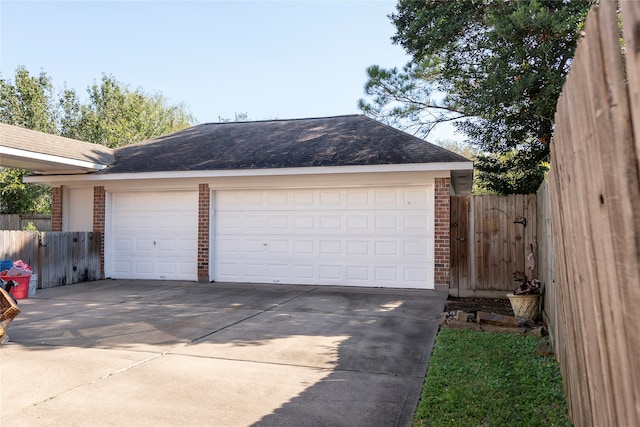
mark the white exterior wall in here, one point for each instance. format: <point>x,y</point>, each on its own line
<point>77,210</point>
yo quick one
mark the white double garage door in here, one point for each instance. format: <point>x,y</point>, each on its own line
<point>381,237</point>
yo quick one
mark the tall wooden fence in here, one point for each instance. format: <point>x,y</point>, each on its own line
<point>19,221</point>
<point>546,261</point>
<point>59,258</point>
<point>492,238</point>
<point>595,204</point>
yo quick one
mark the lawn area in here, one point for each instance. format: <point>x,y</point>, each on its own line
<point>490,379</point>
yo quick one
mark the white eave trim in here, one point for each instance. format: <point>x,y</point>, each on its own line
<point>315,170</point>
<point>48,158</point>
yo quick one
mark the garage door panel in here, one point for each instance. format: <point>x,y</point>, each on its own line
<point>363,237</point>
<point>277,222</point>
<point>417,248</point>
<point>303,199</point>
<point>329,272</point>
<point>330,247</point>
<point>153,235</point>
<point>357,222</point>
<point>387,274</point>
<point>330,198</point>
<point>143,267</point>
<point>385,248</point>
<point>358,199</point>
<point>253,270</point>
<point>330,222</point>
<point>304,273</point>
<point>167,268</point>
<point>227,271</point>
<point>358,273</point>
<point>143,245</point>
<point>304,247</point>
<point>278,271</point>
<point>386,198</point>
<point>278,246</point>
<point>357,247</point>
<point>416,199</point>
<point>303,222</point>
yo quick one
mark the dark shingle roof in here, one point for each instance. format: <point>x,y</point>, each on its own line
<point>331,141</point>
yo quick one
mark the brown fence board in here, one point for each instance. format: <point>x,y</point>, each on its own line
<point>545,263</point>
<point>488,245</point>
<point>595,205</point>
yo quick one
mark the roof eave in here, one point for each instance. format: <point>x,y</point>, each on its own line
<point>46,163</point>
<point>316,170</point>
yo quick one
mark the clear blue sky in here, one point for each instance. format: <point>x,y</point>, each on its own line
<point>270,59</point>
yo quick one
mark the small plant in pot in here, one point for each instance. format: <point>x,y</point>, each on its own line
<point>525,299</point>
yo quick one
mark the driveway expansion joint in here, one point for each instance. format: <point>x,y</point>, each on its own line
<point>273,307</point>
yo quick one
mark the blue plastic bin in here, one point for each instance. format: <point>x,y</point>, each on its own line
<point>6,265</point>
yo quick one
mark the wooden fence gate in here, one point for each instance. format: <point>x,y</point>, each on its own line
<point>491,238</point>
<point>59,258</point>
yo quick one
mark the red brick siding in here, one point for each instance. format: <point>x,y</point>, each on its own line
<point>203,232</point>
<point>98,221</point>
<point>442,225</point>
<point>56,209</point>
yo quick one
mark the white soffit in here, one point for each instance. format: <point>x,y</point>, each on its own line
<point>45,163</point>
<point>320,170</point>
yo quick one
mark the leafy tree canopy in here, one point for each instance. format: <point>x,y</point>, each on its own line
<point>495,67</point>
<point>113,115</point>
<point>116,116</point>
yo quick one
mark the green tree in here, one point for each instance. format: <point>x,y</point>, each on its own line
<point>113,116</point>
<point>116,116</point>
<point>18,197</point>
<point>495,67</point>
<point>28,103</point>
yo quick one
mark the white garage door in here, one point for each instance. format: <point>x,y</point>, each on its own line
<point>353,237</point>
<point>153,235</point>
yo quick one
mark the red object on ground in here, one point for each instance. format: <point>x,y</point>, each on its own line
<point>21,288</point>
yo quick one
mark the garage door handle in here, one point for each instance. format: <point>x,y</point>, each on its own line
<point>460,238</point>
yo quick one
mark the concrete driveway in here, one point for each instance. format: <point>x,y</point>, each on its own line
<point>139,353</point>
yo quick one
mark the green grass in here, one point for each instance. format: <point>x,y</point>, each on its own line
<point>490,379</point>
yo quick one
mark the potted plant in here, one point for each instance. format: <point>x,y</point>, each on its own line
<point>525,299</point>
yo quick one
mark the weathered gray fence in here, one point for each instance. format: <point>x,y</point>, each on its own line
<point>19,221</point>
<point>59,258</point>
<point>595,202</point>
<point>23,245</point>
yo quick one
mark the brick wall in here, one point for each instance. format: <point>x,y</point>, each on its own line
<point>203,232</point>
<point>98,221</point>
<point>56,209</point>
<point>442,226</point>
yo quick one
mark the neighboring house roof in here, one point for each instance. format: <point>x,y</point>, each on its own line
<point>51,154</point>
<point>351,140</point>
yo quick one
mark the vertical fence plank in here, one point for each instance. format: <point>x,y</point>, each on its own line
<point>464,255</point>
<point>630,11</point>
<point>595,201</point>
<point>454,251</point>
